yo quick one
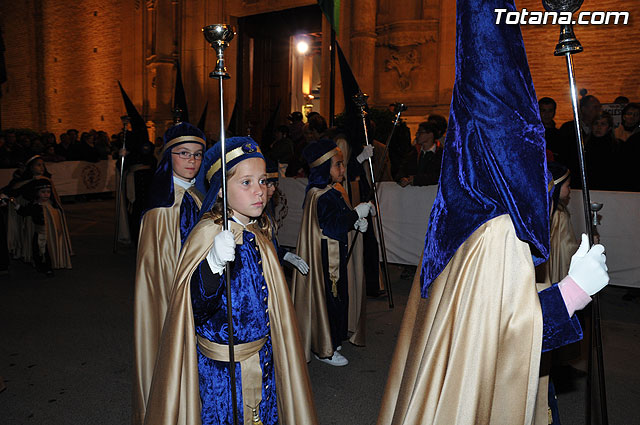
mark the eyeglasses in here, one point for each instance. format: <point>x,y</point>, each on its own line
<point>272,184</point>
<point>188,155</point>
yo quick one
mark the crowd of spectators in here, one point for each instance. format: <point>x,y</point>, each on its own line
<point>17,146</point>
<point>611,151</point>
<point>285,146</point>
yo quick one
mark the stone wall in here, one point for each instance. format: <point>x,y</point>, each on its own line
<point>82,58</point>
<point>63,60</point>
<point>20,103</point>
<point>608,67</point>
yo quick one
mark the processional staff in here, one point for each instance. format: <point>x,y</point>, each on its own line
<point>360,99</point>
<point>567,46</point>
<point>120,189</point>
<point>219,36</point>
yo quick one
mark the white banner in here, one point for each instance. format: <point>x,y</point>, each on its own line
<point>405,214</point>
<point>75,177</point>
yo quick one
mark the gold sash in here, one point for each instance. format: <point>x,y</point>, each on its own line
<point>248,355</point>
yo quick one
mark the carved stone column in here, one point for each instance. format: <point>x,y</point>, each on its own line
<point>160,61</point>
<point>363,45</point>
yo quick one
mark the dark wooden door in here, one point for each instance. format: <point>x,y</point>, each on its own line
<point>265,68</point>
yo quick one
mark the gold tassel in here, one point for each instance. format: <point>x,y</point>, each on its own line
<point>256,418</point>
<point>334,286</point>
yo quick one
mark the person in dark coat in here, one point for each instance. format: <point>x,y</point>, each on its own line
<point>421,166</point>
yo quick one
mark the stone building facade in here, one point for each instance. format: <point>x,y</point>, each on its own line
<point>64,58</point>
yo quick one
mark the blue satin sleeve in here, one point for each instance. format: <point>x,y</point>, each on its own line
<point>335,218</point>
<point>189,212</point>
<point>558,328</point>
<point>205,291</point>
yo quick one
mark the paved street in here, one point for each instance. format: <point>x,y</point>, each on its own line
<point>66,342</point>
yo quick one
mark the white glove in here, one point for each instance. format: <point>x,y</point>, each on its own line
<point>361,225</point>
<point>297,262</point>
<point>367,152</point>
<point>588,267</point>
<point>222,251</point>
<point>364,209</point>
<point>372,209</point>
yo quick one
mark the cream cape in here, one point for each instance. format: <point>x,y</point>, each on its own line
<point>158,251</point>
<point>20,231</point>
<point>470,353</point>
<point>58,241</point>
<point>308,291</point>
<point>175,397</point>
<point>563,244</point>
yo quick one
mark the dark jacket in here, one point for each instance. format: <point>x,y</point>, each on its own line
<point>425,170</point>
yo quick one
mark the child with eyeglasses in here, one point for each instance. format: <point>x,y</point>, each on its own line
<point>171,213</point>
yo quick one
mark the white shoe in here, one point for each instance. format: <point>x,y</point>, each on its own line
<point>336,360</point>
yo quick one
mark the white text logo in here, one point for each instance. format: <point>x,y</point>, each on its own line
<point>524,17</point>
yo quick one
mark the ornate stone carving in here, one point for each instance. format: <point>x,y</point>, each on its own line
<point>403,44</point>
<point>407,33</point>
<point>403,64</point>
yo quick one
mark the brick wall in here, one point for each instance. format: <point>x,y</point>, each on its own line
<point>82,62</point>
<point>608,67</point>
<point>19,93</point>
<point>68,80</point>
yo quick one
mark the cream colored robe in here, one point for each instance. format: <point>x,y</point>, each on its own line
<point>470,353</point>
<point>308,290</point>
<point>158,251</point>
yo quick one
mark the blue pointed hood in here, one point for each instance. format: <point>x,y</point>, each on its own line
<point>494,156</point>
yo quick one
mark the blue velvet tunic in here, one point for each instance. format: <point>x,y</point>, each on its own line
<point>336,219</point>
<point>250,323</point>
